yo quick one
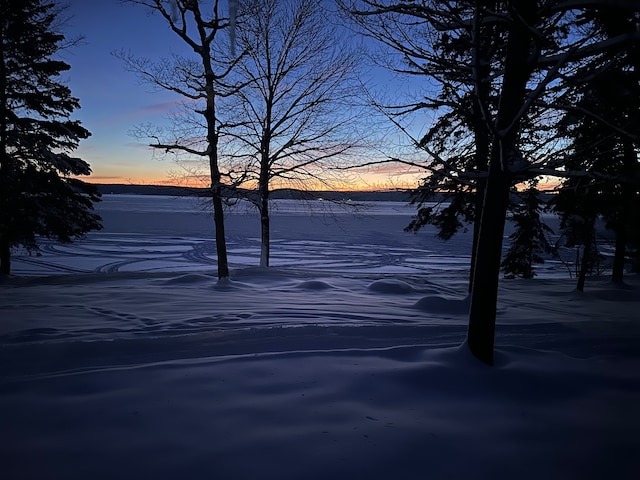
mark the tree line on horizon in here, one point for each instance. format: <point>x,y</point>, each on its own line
<point>520,90</point>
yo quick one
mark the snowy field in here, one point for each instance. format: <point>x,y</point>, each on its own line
<point>122,358</point>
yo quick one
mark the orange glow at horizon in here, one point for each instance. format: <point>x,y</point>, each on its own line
<point>361,186</point>
<point>381,177</point>
<point>366,180</point>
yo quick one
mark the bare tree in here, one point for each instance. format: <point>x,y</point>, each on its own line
<point>295,115</point>
<point>201,82</point>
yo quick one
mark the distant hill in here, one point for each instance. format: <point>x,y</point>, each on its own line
<point>287,193</point>
<point>356,196</point>
<point>128,189</point>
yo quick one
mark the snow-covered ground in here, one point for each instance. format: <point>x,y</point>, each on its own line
<point>121,357</point>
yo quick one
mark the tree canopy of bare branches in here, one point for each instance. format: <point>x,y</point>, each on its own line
<point>297,113</point>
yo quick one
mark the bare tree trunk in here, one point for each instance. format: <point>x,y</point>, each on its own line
<point>481,186</point>
<point>5,256</point>
<point>482,154</point>
<point>221,244</point>
<point>218,220</point>
<point>582,274</point>
<point>264,230</point>
<point>585,261</point>
<point>216,189</point>
<point>216,192</point>
<point>484,294</point>
<point>617,273</point>
<point>263,187</point>
<point>479,200</point>
<point>481,74</point>
<point>630,165</point>
<point>5,246</point>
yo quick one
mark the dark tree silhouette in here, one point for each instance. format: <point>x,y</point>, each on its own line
<point>600,186</point>
<point>537,47</point>
<point>39,192</point>
<point>529,238</point>
<point>603,127</point>
<point>577,205</point>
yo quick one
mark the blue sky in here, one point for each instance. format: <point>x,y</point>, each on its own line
<point>114,101</point>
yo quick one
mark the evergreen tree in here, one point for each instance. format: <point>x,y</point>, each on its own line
<point>529,239</point>
<point>577,206</point>
<point>602,124</point>
<point>532,52</point>
<point>39,194</point>
<point>617,101</point>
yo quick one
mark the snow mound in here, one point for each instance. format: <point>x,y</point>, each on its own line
<point>314,285</point>
<point>391,286</point>
<point>440,304</point>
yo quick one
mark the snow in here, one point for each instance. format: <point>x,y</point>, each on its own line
<point>122,357</point>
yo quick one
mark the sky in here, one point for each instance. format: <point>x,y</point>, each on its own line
<point>114,101</point>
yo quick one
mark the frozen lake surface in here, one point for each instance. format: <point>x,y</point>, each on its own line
<point>158,233</point>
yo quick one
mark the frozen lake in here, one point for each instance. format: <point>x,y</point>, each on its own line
<point>158,233</point>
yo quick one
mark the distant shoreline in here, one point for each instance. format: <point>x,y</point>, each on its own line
<point>170,190</point>
<point>400,195</point>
